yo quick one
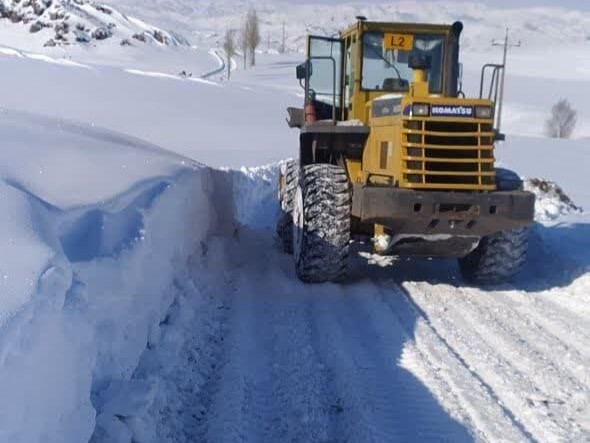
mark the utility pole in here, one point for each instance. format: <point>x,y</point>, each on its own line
<point>506,44</point>
<point>282,48</point>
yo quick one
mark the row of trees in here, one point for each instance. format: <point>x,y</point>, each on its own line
<point>248,39</point>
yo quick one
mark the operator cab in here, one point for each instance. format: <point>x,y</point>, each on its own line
<point>371,59</point>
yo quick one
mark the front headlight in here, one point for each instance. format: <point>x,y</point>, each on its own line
<point>484,112</point>
<point>420,110</point>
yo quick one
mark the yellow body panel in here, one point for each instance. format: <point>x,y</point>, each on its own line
<point>400,150</point>
<point>400,153</point>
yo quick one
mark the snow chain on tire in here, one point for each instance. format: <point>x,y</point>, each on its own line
<point>288,181</point>
<point>321,223</point>
<point>497,258</point>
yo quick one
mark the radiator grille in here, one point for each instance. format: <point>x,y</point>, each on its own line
<point>448,155</point>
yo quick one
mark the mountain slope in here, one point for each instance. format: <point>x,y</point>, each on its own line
<point>65,22</point>
<point>207,21</point>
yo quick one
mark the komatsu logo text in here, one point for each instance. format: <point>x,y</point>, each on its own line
<point>451,111</point>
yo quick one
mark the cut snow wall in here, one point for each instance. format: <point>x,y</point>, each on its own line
<point>89,318</point>
<point>245,197</point>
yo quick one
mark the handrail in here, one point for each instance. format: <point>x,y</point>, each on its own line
<point>494,89</point>
<point>494,84</point>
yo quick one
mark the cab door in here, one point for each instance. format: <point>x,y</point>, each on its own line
<point>324,76</point>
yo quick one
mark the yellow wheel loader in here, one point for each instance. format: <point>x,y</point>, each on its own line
<point>390,147</point>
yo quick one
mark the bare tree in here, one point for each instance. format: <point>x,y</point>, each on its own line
<point>282,48</point>
<point>229,46</point>
<point>244,44</point>
<point>563,119</point>
<point>252,30</point>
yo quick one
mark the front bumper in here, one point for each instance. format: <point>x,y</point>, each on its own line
<point>466,214</point>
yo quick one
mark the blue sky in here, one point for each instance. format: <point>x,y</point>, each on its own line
<point>571,4</point>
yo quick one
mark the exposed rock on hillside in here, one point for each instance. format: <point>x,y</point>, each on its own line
<point>68,22</point>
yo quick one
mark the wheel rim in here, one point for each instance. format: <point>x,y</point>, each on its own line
<point>298,223</point>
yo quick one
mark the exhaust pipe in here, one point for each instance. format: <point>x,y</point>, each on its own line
<point>452,80</point>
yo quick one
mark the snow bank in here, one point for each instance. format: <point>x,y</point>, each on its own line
<point>81,323</point>
<point>239,197</point>
<point>255,194</point>
<point>97,230</point>
<point>551,201</point>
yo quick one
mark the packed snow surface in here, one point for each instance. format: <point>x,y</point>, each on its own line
<point>143,297</point>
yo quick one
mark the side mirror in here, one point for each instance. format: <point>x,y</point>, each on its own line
<point>304,70</point>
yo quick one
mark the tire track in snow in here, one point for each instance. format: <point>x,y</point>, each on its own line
<point>240,399</point>
<point>561,325</point>
<point>241,403</point>
<point>570,300</point>
<point>506,371</point>
<point>303,385</point>
<point>272,387</point>
<point>273,359</point>
<point>530,335</point>
<point>184,419</point>
<point>183,361</point>
<point>557,391</point>
<point>484,412</point>
<point>314,363</point>
<point>380,401</point>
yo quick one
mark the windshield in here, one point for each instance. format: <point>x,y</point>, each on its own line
<point>385,65</point>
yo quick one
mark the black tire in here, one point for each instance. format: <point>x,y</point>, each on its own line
<point>321,228</point>
<point>497,258</point>
<point>288,181</point>
<point>507,180</point>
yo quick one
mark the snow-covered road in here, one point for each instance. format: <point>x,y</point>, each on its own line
<point>250,354</point>
<point>143,298</point>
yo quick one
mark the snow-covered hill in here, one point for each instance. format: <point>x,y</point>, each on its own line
<point>65,22</point>
<point>207,21</point>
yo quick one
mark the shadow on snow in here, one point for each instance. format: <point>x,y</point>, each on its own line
<point>557,256</point>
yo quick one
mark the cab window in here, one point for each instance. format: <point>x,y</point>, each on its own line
<point>385,66</point>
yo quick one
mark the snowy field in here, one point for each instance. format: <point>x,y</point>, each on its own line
<point>143,297</point>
